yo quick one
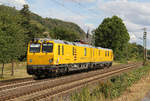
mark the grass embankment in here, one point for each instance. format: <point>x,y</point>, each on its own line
<point>19,71</point>
<point>113,87</point>
<point>116,63</point>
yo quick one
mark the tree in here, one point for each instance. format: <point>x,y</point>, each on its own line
<point>31,30</point>
<point>4,56</point>
<point>135,51</point>
<point>16,43</point>
<point>64,34</point>
<point>12,39</point>
<point>25,12</point>
<point>112,33</point>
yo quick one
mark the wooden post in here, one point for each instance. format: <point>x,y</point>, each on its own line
<point>2,71</point>
<point>12,70</point>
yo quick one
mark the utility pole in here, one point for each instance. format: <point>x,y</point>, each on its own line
<point>144,46</point>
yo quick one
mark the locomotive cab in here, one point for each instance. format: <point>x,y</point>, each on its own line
<point>39,56</point>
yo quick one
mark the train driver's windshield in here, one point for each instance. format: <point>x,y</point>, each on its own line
<point>47,47</point>
<point>35,47</point>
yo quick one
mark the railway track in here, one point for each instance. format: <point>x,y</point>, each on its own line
<point>50,88</point>
<point>13,81</point>
<point>8,84</point>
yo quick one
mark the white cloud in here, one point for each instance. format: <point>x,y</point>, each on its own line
<point>133,27</point>
<point>20,1</point>
<point>53,12</point>
<point>138,38</point>
<point>16,3</point>
<point>133,38</point>
<point>135,12</point>
<point>89,26</point>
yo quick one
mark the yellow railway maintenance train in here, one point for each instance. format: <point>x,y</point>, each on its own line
<point>47,57</point>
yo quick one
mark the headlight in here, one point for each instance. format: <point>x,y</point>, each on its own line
<point>50,60</point>
<point>30,60</point>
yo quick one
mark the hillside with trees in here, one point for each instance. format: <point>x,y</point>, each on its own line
<point>51,25</point>
<point>48,25</point>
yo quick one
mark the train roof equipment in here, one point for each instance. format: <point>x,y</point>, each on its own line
<point>67,42</point>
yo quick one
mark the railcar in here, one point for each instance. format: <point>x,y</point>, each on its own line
<point>47,57</point>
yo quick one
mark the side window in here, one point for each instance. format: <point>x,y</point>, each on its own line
<point>93,52</point>
<point>62,50</point>
<point>85,51</point>
<point>58,49</point>
<point>108,53</point>
<point>105,53</point>
<point>99,52</point>
<point>73,51</point>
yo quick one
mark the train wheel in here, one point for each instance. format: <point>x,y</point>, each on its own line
<point>36,77</point>
<point>54,74</point>
<point>46,76</point>
<point>110,64</point>
<point>66,70</point>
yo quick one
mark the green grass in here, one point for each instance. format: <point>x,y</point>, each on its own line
<point>113,87</point>
<point>85,95</point>
<point>19,71</point>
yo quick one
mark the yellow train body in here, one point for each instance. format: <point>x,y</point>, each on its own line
<point>47,54</point>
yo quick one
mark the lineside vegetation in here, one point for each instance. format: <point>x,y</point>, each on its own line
<point>112,88</point>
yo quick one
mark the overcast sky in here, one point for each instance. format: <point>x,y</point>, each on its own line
<point>90,13</point>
